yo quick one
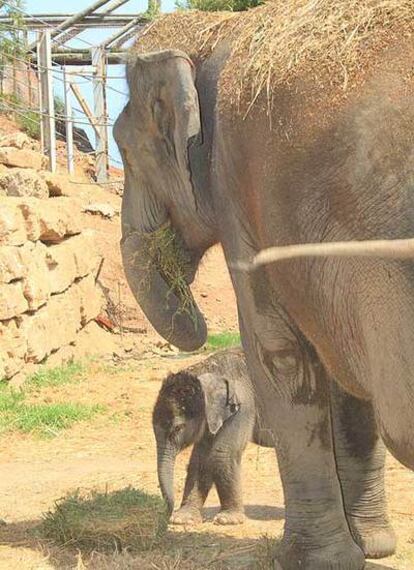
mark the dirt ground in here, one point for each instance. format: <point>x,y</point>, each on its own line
<point>117,449</point>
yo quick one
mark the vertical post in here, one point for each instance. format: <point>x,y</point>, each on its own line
<point>39,96</point>
<point>98,62</point>
<point>47,106</point>
<point>68,121</point>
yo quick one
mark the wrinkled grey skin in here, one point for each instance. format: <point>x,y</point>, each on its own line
<point>329,342</point>
<point>210,405</point>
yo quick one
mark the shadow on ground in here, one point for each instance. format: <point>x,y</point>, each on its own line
<point>185,550</point>
<point>253,512</point>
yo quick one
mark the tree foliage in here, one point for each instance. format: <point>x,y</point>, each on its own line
<point>218,5</point>
<point>11,35</point>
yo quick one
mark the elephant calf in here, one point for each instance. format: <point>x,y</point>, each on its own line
<point>210,405</point>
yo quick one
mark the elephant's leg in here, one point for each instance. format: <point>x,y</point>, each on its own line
<point>360,458</point>
<point>293,393</point>
<point>197,486</point>
<point>226,470</point>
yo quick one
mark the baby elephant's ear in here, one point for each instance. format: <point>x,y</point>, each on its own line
<point>220,399</point>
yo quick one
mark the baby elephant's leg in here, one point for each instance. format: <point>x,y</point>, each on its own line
<point>197,486</point>
<point>226,470</point>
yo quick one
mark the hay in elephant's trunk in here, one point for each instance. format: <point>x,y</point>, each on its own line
<point>271,44</point>
<point>166,251</point>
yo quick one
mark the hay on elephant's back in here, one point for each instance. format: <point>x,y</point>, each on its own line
<point>272,43</point>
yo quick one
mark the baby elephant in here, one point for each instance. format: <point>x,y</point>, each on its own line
<point>210,405</point>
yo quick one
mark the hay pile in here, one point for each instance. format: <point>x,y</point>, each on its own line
<point>273,43</point>
<point>128,519</point>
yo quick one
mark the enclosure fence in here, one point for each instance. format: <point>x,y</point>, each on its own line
<point>27,77</point>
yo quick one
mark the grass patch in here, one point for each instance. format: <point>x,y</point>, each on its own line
<point>128,519</point>
<point>56,376</point>
<point>41,418</point>
<point>50,419</point>
<point>223,340</point>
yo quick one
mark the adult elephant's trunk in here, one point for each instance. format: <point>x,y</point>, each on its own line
<point>165,465</point>
<point>172,312</point>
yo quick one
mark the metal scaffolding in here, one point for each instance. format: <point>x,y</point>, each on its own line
<point>47,55</point>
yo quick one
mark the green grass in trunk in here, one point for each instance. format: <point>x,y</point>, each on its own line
<point>222,340</point>
<point>107,522</point>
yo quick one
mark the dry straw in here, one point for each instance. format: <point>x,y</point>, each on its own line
<point>271,44</point>
<point>128,519</point>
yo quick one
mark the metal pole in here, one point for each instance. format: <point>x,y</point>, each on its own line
<point>114,6</point>
<point>47,105</point>
<point>68,122</point>
<point>98,61</point>
<point>101,19</point>
<point>121,32</point>
<point>69,22</point>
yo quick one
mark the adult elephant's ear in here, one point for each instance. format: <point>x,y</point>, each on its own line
<point>220,399</point>
<point>164,83</point>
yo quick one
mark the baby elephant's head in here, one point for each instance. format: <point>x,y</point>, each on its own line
<point>187,406</point>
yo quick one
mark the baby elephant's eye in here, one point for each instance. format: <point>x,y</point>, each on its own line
<point>178,429</point>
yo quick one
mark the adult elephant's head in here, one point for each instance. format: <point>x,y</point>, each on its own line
<point>166,218</point>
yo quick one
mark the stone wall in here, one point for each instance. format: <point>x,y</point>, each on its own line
<point>47,266</point>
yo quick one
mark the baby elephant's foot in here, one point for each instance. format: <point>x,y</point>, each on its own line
<point>229,517</point>
<point>186,516</point>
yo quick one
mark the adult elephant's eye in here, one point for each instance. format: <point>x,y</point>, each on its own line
<point>279,361</point>
<point>285,361</point>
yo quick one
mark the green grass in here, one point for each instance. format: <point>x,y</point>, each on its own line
<point>50,419</point>
<point>45,419</point>
<point>223,340</point>
<point>71,372</point>
<point>107,522</point>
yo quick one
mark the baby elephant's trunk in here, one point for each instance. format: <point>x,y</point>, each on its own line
<point>165,464</point>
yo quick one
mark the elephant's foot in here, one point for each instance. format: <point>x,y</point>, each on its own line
<point>229,517</point>
<point>376,538</point>
<point>344,556</point>
<point>186,516</point>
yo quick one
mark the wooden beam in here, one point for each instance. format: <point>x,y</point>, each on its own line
<point>100,20</point>
<point>101,146</point>
<point>118,34</point>
<point>68,123</point>
<point>47,104</point>
<point>116,4</point>
<point>85,107</point>
<point>83,57</point>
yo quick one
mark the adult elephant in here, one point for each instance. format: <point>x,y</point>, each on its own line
<point>329,341</point>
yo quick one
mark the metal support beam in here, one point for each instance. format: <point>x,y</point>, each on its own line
<point>68,122</point>
<point>72,20</point>
<point>135,22</point>
<point>99,20</point>
<point>99,97</point>
<point>83,57</point>
<point>134,33</point>
<point>67,36</point>
<point>47,105</point>
<point>116,4</point>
